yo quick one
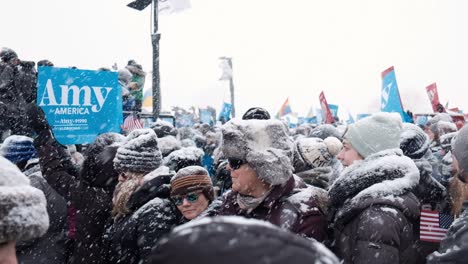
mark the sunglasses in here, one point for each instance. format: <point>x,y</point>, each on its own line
<point>191,198</point>
<point>235,164</point>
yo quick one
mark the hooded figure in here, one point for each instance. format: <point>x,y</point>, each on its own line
<point>259,154</point>
<point>454,248</point>
<point>23,214</point>
<point>14,81</point>
<point>49,248</point>
<point>142,211</point>
<point>233,240</point>
<point>89,191</point>
<point>373,212</point>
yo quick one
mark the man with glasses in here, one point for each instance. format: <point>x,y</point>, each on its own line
<point>259,154</point>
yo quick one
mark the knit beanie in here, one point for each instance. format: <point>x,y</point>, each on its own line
<point>18,148</point>
<point>414,141</point>
<point>139,153</point>
<point>23,213</point>
<point>460,148</point>
<point>375,133</point>
<point>190,179</point>
<point>316,152</point>
<point>264,144</point>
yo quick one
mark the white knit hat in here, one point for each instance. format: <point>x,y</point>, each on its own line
<point>375,133</point>
<point>23,213</point>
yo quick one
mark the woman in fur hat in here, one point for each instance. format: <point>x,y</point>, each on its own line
<point>142,211</point>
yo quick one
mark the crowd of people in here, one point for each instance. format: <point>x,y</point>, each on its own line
<point>270,194</point>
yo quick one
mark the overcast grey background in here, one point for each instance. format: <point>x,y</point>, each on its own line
<point>294,48</point>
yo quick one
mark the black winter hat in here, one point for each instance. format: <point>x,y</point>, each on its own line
<point>140,153</point>
<point>414,142</point>
<point>45,63</point>
<point>98,166</point>
<point>6,54</point>
<point>256,113</point>
<point>234,240</point>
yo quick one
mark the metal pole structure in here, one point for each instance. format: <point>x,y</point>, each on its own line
<point>155,36</point>
<point>231,86</point>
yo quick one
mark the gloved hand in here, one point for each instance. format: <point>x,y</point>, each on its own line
<point>36,118</point>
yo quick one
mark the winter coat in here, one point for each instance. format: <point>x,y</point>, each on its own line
<point>374,214</point>
<point>292,209</point>
<point>90,193</point>
<point>454,248</point>
<point>11,101</point>
<point>429,191</point>
<point>26,82</point>
<point>234,240</point>
<point>138,76</point>
<point>318,177</point>
<point>49,248</point>
<point>151,215</point>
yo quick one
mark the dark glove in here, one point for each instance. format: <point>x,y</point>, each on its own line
<point>36,118</point>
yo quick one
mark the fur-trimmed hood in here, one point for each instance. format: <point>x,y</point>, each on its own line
<point>386,177</point>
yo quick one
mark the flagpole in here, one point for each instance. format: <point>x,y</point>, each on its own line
<point>155,36</point>
<point>231,86</point>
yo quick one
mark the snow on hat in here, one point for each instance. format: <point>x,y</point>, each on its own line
<point>443,127</point>
<point>324,131</point>
<point>316,152</point>
<point>192,178</point>
<point>375,133</point>
<point>23,214</point>
<point>264,144</point>
<point>17,148</point>
<point>414,142</point>
<point>163,128</point>
<point>168,144</point>
<point>125,76</point>
<point>140,153</point>
<point>256,113</point>
<point>184,157</point>
<point>460,148</point>
<point>6,54</point>
<point>446,141</point>
<point>185,143</point>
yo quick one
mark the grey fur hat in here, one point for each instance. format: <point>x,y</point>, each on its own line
<point>23,212</point>
<point>140,153</point>
<point>264,144</point>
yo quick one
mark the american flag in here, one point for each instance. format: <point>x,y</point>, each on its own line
<point>131,123</point>
<point>434,226</point>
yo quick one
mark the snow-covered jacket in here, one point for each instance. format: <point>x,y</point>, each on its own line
<point>90,192</point>
<point>50,248</point>
<point>454,248</point>
<point>296,210</point>
<point>429,191</point>
<point>151,215</point>
<point>318,177</point>
<point>373,212</point>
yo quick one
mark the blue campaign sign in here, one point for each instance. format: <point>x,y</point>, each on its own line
<point>390,100</point>
<point>333,109</point>
<point>79,104</point>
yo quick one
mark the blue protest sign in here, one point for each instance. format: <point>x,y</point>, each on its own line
<point>206,117</point>
<point>391,100</point>
<point>361,116</point>
<point>225,112</point>
<point>333,109</point>
<point>79,104</point>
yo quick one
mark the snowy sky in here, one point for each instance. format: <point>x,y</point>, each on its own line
<point>294,48</point>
